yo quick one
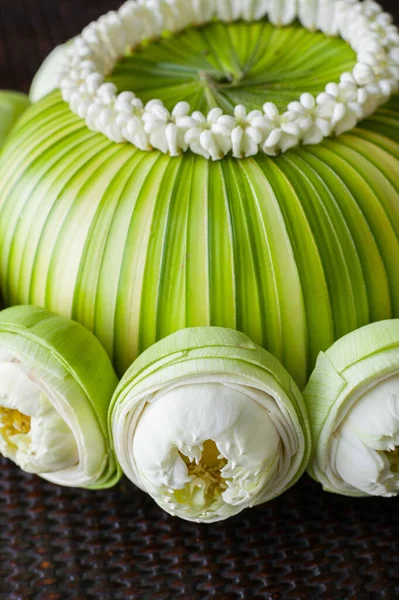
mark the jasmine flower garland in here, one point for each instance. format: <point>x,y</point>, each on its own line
<point>124,118</point>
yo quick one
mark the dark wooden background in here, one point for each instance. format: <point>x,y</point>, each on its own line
<point>61,544</point>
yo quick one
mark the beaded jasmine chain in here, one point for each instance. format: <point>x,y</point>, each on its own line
<point>123,117</point>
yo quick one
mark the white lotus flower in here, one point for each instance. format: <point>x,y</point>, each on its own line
<point>56,383</point>
<point>353,399</point>
<point>372,429</point>
<point>208,424</point>
<point>32,432</point>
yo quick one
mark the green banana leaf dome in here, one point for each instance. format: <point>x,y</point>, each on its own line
<point>294,250</point>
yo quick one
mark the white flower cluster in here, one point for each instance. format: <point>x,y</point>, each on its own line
<point>123,117</point>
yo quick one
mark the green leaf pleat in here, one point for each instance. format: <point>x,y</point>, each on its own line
<point>12,107</point>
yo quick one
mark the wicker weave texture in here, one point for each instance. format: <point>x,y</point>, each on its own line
<point>61,544</point>
<point>58,543</point>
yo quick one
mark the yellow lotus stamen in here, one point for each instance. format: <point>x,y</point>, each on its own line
<point>13,422</point>
<point>208,471</point>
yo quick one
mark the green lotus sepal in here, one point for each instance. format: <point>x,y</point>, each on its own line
<point>56,383</point>
<point>353,402</point>
<point>208,423</point>
<point>12,106</point>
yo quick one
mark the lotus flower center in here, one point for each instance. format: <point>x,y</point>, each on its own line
<point>32,432</point>
<point>206,450</point>
<point>13,422</point>
<point>206,476</point>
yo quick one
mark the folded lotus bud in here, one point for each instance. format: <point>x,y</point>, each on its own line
<point>353,401</point>
<point>208,423</point>
<point>12,106</point>
<point>56,383</point>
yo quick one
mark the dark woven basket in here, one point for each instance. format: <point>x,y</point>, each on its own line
<point>58,544</point>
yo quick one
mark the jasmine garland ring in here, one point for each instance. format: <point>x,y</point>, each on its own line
<point>208,424</point>
<point>123,117</point>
